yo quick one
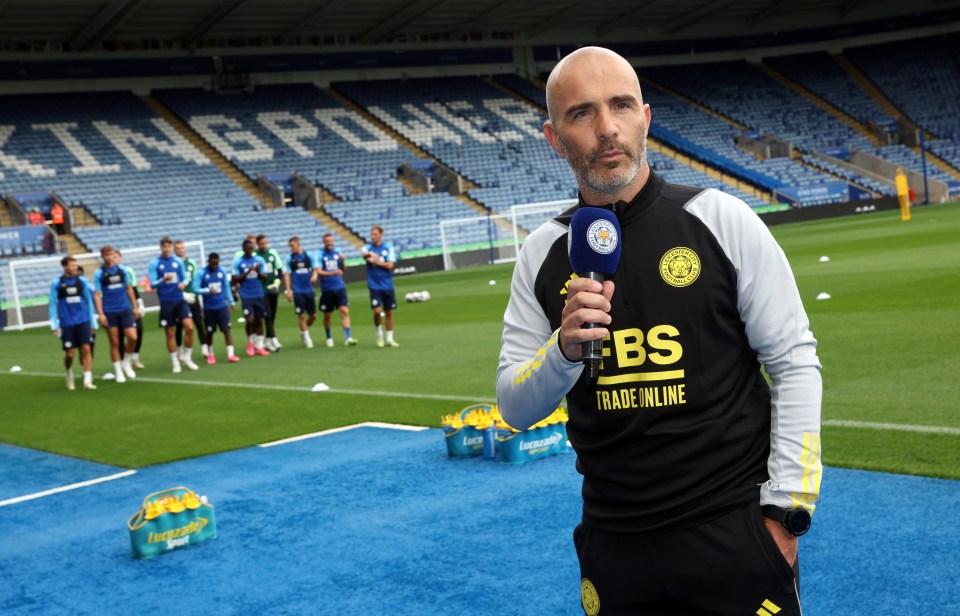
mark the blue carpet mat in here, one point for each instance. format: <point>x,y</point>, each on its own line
<point>25,471</point>
<point>375,521</point>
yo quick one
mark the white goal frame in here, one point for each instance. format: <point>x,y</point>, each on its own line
<point>137,257</point>
<point>517,226</point>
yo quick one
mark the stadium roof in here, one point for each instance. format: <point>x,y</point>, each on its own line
<point>86,25</point>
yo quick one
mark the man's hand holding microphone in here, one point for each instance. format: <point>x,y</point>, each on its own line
<point>588,301</point>
<point>593,244</point>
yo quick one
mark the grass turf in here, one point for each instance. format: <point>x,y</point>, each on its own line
<point>887,340</point>
<point>449,348</point>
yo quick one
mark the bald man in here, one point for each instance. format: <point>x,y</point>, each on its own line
<point>698,476</point>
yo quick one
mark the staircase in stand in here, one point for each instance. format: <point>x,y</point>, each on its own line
<point>819,102</point>
<point>5,220</point>
<point>228,168</point>
<point>338,228</point>
<point>866,84</point>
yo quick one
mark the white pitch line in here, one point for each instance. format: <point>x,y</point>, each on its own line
<point>842,423</point>
<point>303,437</point>
<point>332,390</point>
<point>402,394</point>
<point>72,486</point>
<point>393,426</point>
<point>366,424</point>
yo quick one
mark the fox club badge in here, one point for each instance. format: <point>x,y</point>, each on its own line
<point>602,236</point>
<point>679,267</point>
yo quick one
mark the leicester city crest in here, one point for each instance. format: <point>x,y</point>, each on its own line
<point>602,236</point>
<point>680,266</point>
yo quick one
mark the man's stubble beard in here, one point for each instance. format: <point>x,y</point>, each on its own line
<point>625,172</point>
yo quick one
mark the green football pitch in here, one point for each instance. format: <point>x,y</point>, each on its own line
<point>889,341</point>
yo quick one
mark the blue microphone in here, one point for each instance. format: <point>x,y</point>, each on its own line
<point>593,244</point>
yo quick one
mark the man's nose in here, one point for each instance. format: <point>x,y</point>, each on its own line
<point>606,126</point>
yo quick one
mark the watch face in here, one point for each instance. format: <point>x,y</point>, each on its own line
<point>798,521</point>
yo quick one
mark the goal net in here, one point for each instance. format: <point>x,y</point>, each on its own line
<point>496,238</point>
<point>25,283</point>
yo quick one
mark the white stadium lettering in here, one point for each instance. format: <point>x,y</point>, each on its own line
<point>226,142</point>
<point>467,125</point>
<point>276,121</point>
<point>17,164</point>
<point>334,120</point>
<point>124,139</point>
<point>423,124</point>
<point>90,164</point>
<point>518,114</point>
<point>422,130</point>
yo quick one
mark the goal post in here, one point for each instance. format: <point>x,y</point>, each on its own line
<point>25,283</point>
<point>495,238</point>
<point>528,216</point>
<point>475,240</point>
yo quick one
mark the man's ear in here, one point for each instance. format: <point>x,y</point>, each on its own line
<point>553,138</point>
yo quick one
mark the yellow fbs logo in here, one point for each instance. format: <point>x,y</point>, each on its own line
<point>679,267</point>
<point>589,598</point>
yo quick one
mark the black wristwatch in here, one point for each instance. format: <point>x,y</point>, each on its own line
<point>796,521</point>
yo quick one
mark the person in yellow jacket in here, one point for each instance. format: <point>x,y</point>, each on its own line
<point>903,194</point>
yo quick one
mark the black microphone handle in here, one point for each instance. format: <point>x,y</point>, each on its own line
<point>592,351</point>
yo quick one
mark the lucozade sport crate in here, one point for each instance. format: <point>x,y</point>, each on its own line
<point>546,438</point>
<point>462,431</point>
<point>480,430</point>
<point>171,519</point>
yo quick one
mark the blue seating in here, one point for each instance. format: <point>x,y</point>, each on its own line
<point>485,135</point>
<point>110,153</point>
<point>902,156</point>
<point>687,127</point>
<point>822,75</point>
<point>488,137</point>
<point>743,92</point>
<point>301,129</point>
<point>295,128</point>
<point>533,93</point>
<point>922,78</point>
<point>746,94</point>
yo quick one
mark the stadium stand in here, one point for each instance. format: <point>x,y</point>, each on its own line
<point>472,127</point>
<point>741,91</point>
<point>527,89</point>
<point>706,136</point>
<point>744,93</point>
<point>301,129</point>
<point>142,179</point>
<point>920,76</point>
<point>822,75</point>
<point>494,140</point>
<point>109,153</point>
<point>922,79</point>
<point>902,156</point>
<point>296,128</point>
<point>713,140</point>
<point>72,143</point>
<point>847,174</point>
